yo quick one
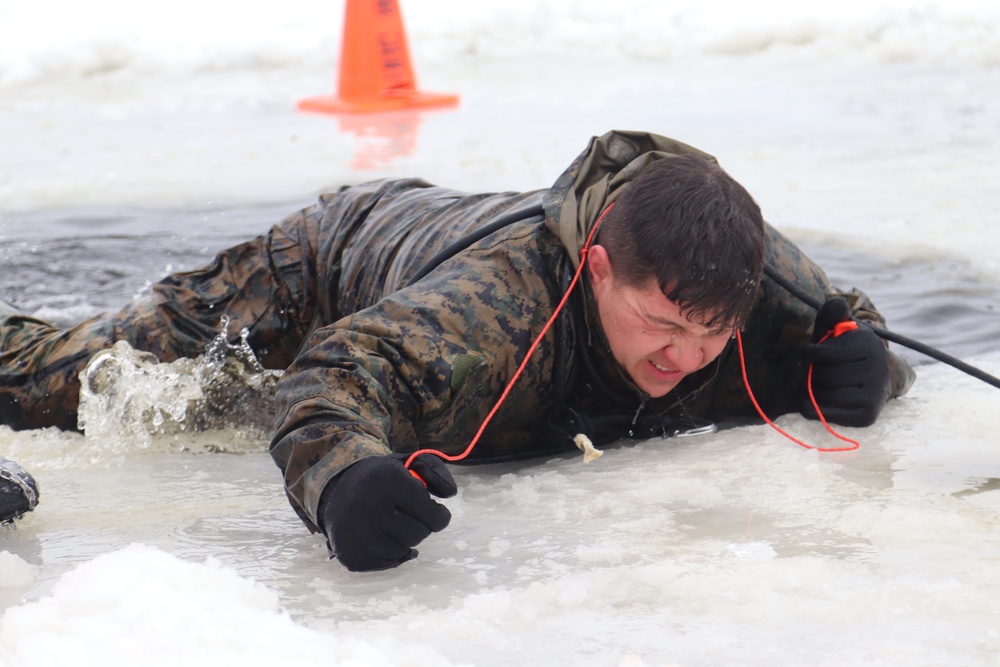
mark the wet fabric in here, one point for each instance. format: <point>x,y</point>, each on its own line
<point>264,285</point>
<point>375,365</point>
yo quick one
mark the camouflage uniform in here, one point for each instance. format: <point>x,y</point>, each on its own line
<point>388,366</point>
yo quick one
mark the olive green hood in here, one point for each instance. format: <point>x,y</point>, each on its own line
<point>595,178</point>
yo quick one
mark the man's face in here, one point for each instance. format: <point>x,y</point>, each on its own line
<point>649,337</point>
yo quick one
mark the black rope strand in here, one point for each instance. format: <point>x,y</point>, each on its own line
<point>769,270</point>
<point>885,334</point>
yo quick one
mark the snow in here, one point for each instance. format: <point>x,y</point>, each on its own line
<point>867,132</point>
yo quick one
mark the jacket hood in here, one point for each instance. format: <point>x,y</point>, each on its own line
<point>574,203</point>
<point>595,178</point>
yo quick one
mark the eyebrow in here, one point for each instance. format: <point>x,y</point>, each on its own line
<point>656,319</point>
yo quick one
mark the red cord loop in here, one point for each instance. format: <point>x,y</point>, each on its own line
<point>854,444</point>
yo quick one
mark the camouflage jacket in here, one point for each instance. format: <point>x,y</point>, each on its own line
<point>409,366</point>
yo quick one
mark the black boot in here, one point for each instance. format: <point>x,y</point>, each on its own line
<point>18,491</point>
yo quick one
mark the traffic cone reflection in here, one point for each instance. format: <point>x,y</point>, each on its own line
<point>381,137</point>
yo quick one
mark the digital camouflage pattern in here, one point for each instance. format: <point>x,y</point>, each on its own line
<point>421,366</point>
<point>375,365</point>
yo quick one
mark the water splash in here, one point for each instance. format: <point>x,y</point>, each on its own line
<point>219,401</point>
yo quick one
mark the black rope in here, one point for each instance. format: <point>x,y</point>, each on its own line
<point>773,273</point>
<point>885,334</point>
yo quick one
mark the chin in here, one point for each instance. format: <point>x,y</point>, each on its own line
<point>658,391</point>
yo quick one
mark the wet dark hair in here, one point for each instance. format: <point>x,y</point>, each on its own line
<point>688,225</point>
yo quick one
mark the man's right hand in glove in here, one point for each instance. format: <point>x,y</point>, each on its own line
<point>375,511</point>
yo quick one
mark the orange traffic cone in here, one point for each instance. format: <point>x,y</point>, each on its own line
<point>375,72</point>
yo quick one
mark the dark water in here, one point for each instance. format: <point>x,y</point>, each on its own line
<point>95,260</point>
<point>943,302</point>
<point>73,264</point>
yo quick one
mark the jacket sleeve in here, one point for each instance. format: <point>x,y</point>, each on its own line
<point>421,368</point>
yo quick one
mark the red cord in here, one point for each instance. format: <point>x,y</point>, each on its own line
<point>551,321</point>
<point>746,383</point>
<point>524,362</point>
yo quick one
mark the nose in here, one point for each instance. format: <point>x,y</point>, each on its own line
<point>685,353</point>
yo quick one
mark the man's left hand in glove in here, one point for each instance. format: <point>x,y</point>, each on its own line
<point>850,376</point>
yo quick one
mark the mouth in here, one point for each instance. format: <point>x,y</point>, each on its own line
<point>663,373</point>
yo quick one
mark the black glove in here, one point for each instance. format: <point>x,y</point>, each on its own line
<point>375,511</point>
<point>850,371</point>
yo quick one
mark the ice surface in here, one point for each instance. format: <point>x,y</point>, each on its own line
<point>135,143</point>
<point>738,547</point>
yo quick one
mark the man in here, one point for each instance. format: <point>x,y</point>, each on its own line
<point>402,312</point>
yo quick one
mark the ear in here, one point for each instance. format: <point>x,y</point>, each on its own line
<point>598,266</point>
